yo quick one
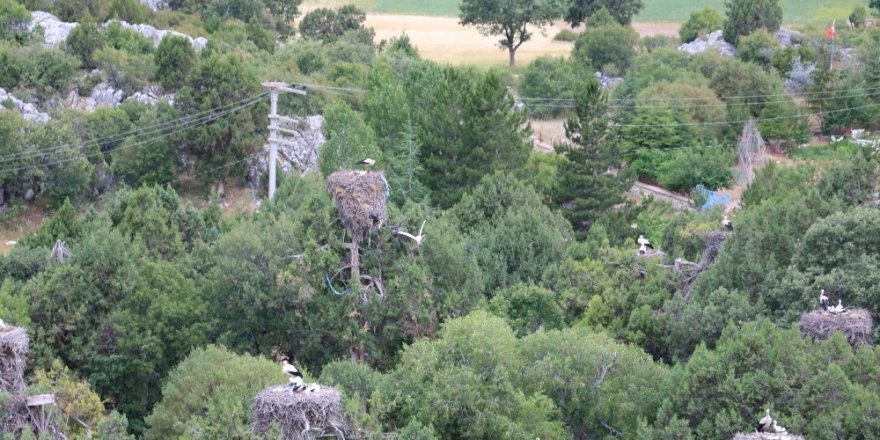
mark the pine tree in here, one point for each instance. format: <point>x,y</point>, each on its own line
<point>592,179</point>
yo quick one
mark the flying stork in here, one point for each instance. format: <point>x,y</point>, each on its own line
<point>416,238</point>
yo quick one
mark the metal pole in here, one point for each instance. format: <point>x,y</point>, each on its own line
<point>273,144</point>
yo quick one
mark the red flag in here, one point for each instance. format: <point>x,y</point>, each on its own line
<point>831,31</point>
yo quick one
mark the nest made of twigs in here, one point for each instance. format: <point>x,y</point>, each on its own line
<point>13,358</point>
<point>361,197</point>
<point>300,415</point>
<point>766,436</point>
<point>856,325</point>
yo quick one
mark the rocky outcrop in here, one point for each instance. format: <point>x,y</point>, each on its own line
<point>156,35</point>
<point>103,95</point>
<point>788,37</point>
<point>301,155</point>
<point>55,31</point>
<point>155,4</point>
<point>713,41</point>
<point>26,109</point>
<point>151,95</point>
<point>608,81</point>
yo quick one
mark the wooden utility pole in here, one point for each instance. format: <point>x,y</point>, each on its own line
<point>275,88</point>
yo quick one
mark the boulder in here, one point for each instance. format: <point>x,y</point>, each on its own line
<point>788,37</point>
<point>26,109</point>
<point>55,31</point>
<point>607,82</point>
<point>715,41</point>
<point>151,95</point>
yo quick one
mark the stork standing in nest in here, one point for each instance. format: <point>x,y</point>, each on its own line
<point>367,163</point>
<point>766,422</point>
<point>727,223</point>
<point>823,300</point>
<point>296,377</point>
<point>644,243</point>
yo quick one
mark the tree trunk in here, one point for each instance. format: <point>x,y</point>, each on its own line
<point>512,52</point>
<point>355,283</point>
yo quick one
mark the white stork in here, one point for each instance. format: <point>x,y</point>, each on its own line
<point>765,423</point>
<point>367,163</point>
<point>296,377</point>
<point>416,238</point>
<point>642,241</point>
<point>823,300</point>
<point>778,429</point>
<point>727,223</point>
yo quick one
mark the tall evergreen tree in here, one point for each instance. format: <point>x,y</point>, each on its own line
<point>592,179</point>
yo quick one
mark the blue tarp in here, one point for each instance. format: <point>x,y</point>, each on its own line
<point>713,198</point>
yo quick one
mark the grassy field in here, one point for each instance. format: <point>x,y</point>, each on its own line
<point>795,11</point>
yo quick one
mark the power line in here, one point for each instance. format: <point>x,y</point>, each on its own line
<point>156,128</point>
<point>182,127</point>
<point>728,97</point>
<point>777,118</point>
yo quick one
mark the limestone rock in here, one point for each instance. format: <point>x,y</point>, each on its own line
<point>715,40</point>
<point>27,110</point>
<point>156,35</point>
<point>55,31</point>
<point>151,95</point>
<point>103,95</point>
<point>155,4</point>
<point>302,156</point>
<point>608,81</point>
<point>787,37</point>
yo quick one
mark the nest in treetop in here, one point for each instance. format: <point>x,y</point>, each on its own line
<point>300,415</point>
<point>13,357</point>
<point>361,198</point>
<point>766,436</point>
<point>855,324</point>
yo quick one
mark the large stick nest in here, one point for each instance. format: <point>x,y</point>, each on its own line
<point>689,272</point>
<point>300,415</point>
<point>855,324</point>
<point>361,198</point>
<point>13,357</point>
<point>766,436</point>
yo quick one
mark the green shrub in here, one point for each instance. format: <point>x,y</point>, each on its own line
<point>759,47</point>
<point>699,23</point>
<point>566,35</point>
<point>612,44</point>
<point>174,59</point>
<point>548,81</point>
<point>126,71</point>
<point>48,71</point>
<point>858,16</point>
<point>747,16</point>
<point>84,40</point>
<point>686,168</point>
<point>128,10</point>
<point>13,20</point>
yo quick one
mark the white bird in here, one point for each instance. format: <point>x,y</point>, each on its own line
<point>2,324</point>
<point>416,238</point>
<point>644,241</point>
<point>296,377</point>
<point>778,429</point>
<point>643,249</point>
<point>765,423</point>
<point>839,307</point>
<point>367,163</point>
<point>727,223</point>
<point>823,300</point>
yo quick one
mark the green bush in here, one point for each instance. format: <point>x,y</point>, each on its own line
<point>84,40</point>
<point>131,11</point>
<point>129,72</point>
<point>174,59</point>
<point>699,23</point>
<point>565,35</point>
<point>613,44</point>
<point>747,16</point>
<point>686,168</point>
<point>13,20</point>
<point>527,308</point>
<point>48,71</point>
<point>759,47</point>
<point>547,82</point>
<point>858,16</point>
